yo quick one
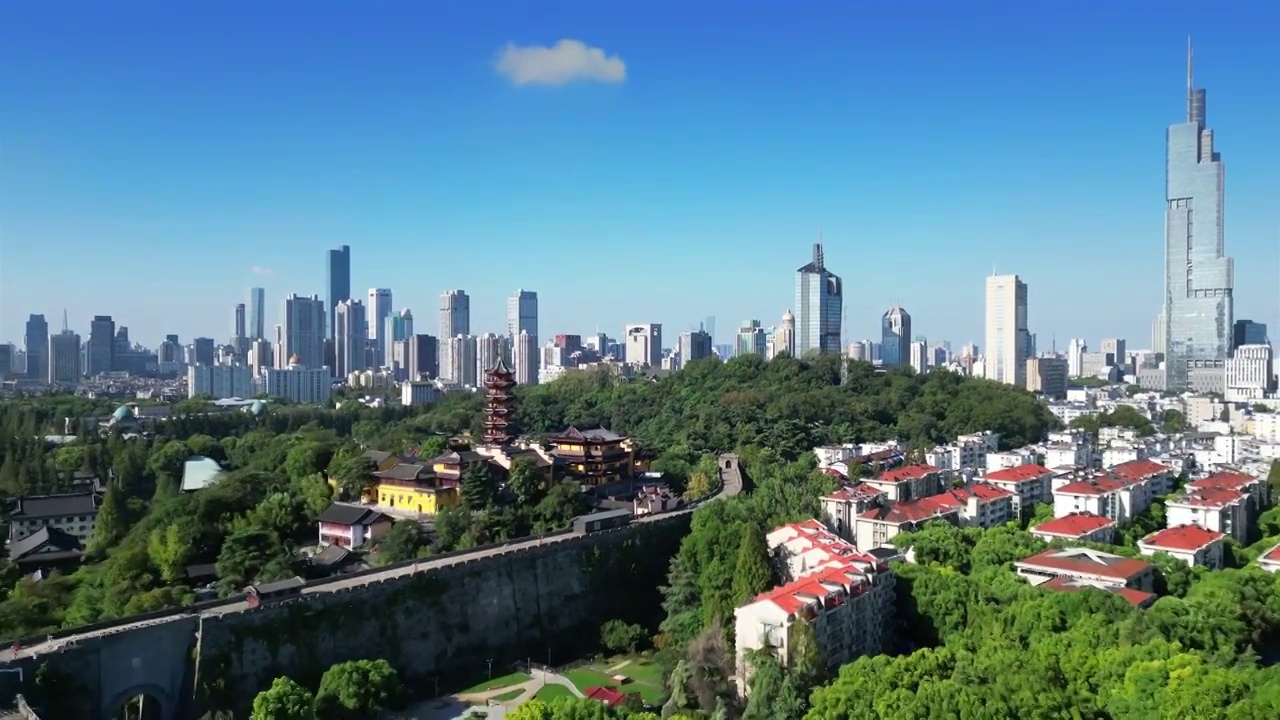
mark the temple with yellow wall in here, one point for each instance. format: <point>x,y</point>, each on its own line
<point>594,457</point>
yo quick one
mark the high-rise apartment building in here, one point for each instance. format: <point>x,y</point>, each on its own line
<point>102,346</point>
<point>522,314</point>
<point>1248,374</point>
<point>36,343</point>
<point>422,357</point>
<point>339,285</point>
<point>819,307</point>
<point>64,358</point>
<point>693,346</point>
<point>239,326</point>
<point>461,353</point>
<point>1199,277</point>
<point>377,310</point>
<point>895,337</point>
<point>525,357</point>
<point>257,313</point>
<point>644,344</point>
<point>751,339</point>
<point>350,333</point>
<point>302,334</point>
<point>455,320</point>
<point>489,349</point>
<point>203,351</point>
<point>1075,357</point>
<point>1008,342</point>
<point>220,381</point>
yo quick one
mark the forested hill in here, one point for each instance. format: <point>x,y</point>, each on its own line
<point>786,404</point>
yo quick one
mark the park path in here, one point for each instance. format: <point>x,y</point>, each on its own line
<point>529,688</point>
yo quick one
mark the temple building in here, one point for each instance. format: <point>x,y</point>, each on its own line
<point>593,457</point>
<point>499,405</point>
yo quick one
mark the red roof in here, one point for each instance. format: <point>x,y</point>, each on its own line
<point>1223,481</point>
<point>1272,555</point>
<point>1020,473</point>
<point>914,511</point>
<point>907,472</point>
<point>608,696</point>
<point>827,587</point>
<point>1210,497</point>
<point>987,493</point>
<point>1136,470</point>
<point>1137,598</point>
<point>1184,538</point>
<point>1093,486</point>
<point>859,491</point>
<point>1075,525</point>
<point>1086,562</point>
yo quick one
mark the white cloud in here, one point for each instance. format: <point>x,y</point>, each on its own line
<point>565,62</point>
<point>260,271</point>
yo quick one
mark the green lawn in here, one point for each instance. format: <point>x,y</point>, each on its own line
<point>514,678</point>
<point>509,695</point>
<point>583,678</point>
<point>643,676</point>
<point>551,692</point>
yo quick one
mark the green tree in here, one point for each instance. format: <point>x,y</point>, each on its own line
<point>284,700</point>
<point>246,555</point>
<point>450,526</point>
<point>402,543</point>
<point>478,487</point>
<point>169,548</point>
<point>806,655</point>
<point>354,475</point>
<point>620,637</point>
<point>753,574</point>
<point>357,688</point>
<point>526,482</point>
<point>112,521</point>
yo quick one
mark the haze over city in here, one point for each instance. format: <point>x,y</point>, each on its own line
<point>638,168</point>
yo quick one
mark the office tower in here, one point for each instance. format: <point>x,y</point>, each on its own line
<point>489,349</point>
<point>302,334</point>
<point>1248,374</point>
<point>1159,338</point>
<point>239,324</point>
<point>202,352</point>
<point>1248,332</point>
<point>1075,357</point>
<point>422,357</point>
<point>525,357</point>
<point>461,353</point>
<point>262,355</point>
<point>709,327</point>
<point>257,313</point>
<point>784,339</point>
<point>455,320</point>
<point>350,333</point>
<point>6,361</point>
<point>522,314</point>
<point>64,358</point>
<point>1199,308</point>
<point>339,283</point>
<point>819,307</point>
<point>694,346</point>
<point>36,343</point>
<point>1008,343</point>
<point>858,351</point>
<point>399,327</point>
<point>644,344</point>
<point>377,310</point>
<point>1047,376</point>
<point>895,337</point>
<point>101,350</point>
<point>751,339</point>
<point>917,355</point>
<point>1115,347</point>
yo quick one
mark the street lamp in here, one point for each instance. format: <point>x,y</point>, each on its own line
<point>490,668</point>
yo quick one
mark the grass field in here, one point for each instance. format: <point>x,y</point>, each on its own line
<point>509,695</point>
<point>586,677</point>
<point>514,678</point>
<point>643,676</point>
<point>551,692</point>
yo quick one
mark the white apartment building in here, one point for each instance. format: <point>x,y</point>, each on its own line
<point>910,482</point>
<point>1266,427</point>
<point>1119,493</point>
<point>963,455</point>
<point>415,393</point>
<point>1248,373</point>
<point>1257,488</point>
<point>1027,484</point>
<point>219,381</point>
<point>989,440</point>
<point>1081,527</point>
<point>1010,459</point>
<point>847,596</point>
<point>1008,342</point>
<point>1220,510</point>
<point>644,344</point>
<point>1191,544</point>
<point>298,384</point>
<point>978,505</point>
<point>842,508</point>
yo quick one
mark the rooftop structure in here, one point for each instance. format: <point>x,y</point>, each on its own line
<point>499,405</point>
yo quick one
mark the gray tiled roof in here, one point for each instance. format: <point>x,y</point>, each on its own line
<point>346,514</point>
<point>37,507</point>
<point>59,544</point>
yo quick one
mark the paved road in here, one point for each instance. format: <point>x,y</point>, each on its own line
<point>731,484</point>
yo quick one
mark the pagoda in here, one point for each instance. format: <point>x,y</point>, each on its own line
<point>499,405</point>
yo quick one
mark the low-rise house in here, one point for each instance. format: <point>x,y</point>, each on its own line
<point>46,549</point>
<point>73,513</point>
<point>1081,527</point>
<point>842,507</point>
<point>656,498</point>
<point>1270,560</point>
<point>416,488</point>
<point>910,482</point>
<point>1221,510</point>
<point>847,598</point>
<point>607,695</point>
<point>351,526</point>
<point>1191,544</point>
<point>1088,565</point>
<point>1029,484</point>
<point>1136,598</point>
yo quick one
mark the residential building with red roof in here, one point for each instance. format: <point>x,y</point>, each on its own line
<point>1191,544</point>
<point>843,506</point>
<point>1010,458</point>
<point>979,505</point>
<point>910,482</point>
<point>848,597</point>
<point>1087,565</point>
<point>1085,527</point>
<point>1119,493</point>
<point>1256,488</point>
<point>1136,598</point>
<point>1220,509</point>
<point>1270,560</point>
<point>1029,484</point>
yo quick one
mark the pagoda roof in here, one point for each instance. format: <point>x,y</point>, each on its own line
<point>500,368</point>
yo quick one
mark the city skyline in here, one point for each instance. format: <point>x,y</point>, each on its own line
<point>747,222</point>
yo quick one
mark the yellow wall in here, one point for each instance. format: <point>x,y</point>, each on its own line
<point>423,500</point>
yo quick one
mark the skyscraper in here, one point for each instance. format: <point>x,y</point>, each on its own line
<point>239,326</point>
<point>36,342</point>
<point>455,320</point>
<point>349,337</point>
<point>693,346</point>
<point>751,339</point>
<point>64,358</point>
<point>784,340</point>
<point>525,357</point>
<point>1008,342</point>
<point>895,337</point>
<point>339,282</point>
<point>102,336</point>
<point>378,309</point>
<point>522,314</point>
<point>302,334</point>
<point>644,344</point>
<point>1199,278</point>
<point>257,313</point>
<point>819,307</point>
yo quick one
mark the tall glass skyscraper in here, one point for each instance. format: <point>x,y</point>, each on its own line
<point>819,307</point>
<point>339,281</point>
<point>1199,278</point>
<point>257,313</point>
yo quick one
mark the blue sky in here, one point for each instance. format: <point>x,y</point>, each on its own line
<point>156,159</point>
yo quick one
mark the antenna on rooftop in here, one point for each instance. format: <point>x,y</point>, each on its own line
<point>65,327</point>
